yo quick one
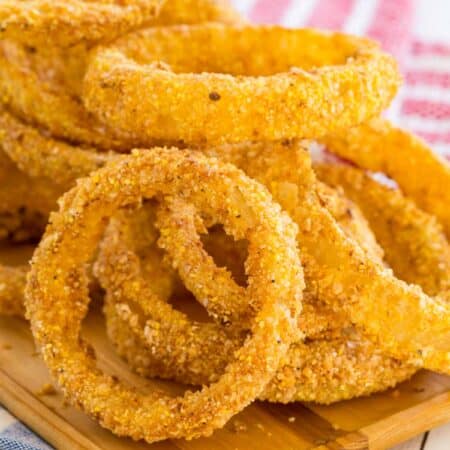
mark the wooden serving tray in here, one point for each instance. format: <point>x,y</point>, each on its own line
<point>377,422</point>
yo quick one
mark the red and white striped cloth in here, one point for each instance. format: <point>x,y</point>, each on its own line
<point>417,32</point>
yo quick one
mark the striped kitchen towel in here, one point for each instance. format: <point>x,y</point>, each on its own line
<point>16,436</point>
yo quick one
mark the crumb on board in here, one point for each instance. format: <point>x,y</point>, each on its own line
<point>46,389</point>
<point>239,426</point>
<point>395,393</point>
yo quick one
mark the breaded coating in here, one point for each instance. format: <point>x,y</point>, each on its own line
<point>68,22</point>
<point>42,84</point>
<point>379,146</point>
<point>400,318</point>
<point>415,245</point>
<point>57,298</point>
<point>157,340</point>
<point>249,83</point>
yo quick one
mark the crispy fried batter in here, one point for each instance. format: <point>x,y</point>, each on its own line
<point>414,242</point>
<point>166,84</point>
<point>400,318</point>
<point>68,22</point>
<point>157,340</point>
<point>202,250</point>
<point>381,147</point>
<point>42,85</point>
<point>57,300</point>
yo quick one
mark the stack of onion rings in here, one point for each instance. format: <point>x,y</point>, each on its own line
<point>161,341</point>
<point>202,251</point>
<point>188,366</point>
<point>42,85</point>
<point>275,286</point>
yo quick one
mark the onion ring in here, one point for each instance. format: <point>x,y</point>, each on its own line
<point>157,340</point>
<point>381,147</point>
<point>197,269</point>
<point>40,156</point>
<point>414,242</point>
<point>64,68</point>
<point>22,217</point>
<point>69,22</point>
<point>403,321</point>
<point>56,294</point>
<point>149,83</point>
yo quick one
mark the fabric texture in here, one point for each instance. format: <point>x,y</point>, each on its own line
<point>16,436</point>
<point>415,31</point>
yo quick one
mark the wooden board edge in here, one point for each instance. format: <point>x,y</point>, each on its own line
<point>397,428</point>
<point>379,435</point>
<point>394,429</point>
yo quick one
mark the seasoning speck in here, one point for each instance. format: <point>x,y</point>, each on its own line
<point>214,96</point>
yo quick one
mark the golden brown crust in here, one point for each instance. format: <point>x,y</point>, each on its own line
<point>414,242</point>
<point>165,84</point>
<point>157,340</point>
<point>57,300</point>
<point>42,84</point>
<point>69,22</point>
<point>381,147</point>
<point>400,318</point>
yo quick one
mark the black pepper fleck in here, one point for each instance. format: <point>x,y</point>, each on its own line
<point>214,96</point>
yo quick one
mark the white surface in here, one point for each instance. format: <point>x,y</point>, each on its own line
<point>432,23</point>
<point>437,439</point>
